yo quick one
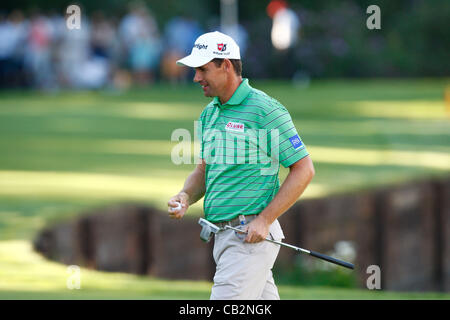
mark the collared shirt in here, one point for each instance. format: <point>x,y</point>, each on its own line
<point>243,142</point>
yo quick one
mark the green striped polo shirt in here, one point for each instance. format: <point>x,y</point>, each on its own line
<point>243,143</point>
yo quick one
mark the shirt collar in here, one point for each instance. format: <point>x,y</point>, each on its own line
<point>238,96</point>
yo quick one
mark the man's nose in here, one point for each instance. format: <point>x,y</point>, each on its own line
<point>197,77</point>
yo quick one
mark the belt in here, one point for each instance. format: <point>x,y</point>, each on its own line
<point>239,220</point>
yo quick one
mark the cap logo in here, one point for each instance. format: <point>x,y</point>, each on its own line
<point>209,46</point>
<point>222,47</point>
<point>200,46</point>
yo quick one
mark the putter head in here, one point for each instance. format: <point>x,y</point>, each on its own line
<point>208,229</point>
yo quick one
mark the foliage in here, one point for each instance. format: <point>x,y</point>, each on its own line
<point>334,40</point>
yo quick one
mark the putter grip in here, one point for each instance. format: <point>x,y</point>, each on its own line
<point>331,259</point>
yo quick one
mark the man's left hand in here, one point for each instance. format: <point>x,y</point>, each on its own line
<point>257,230</point>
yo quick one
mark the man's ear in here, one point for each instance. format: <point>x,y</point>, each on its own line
<point>227,65</point>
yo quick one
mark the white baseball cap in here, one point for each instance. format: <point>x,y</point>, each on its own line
<point>209,46</point>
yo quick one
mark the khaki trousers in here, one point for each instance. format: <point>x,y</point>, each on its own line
<point>244,270</point>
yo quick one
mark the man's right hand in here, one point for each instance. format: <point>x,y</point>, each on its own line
<point>182,198</point>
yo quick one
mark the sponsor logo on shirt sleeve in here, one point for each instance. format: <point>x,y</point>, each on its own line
<point>296,142</point>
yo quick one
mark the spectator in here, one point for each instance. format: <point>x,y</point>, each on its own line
<point>103,36</point>
<point>140,37</point>
<point>73,51</point>
<point>285,26</point>
<point>180,33</point>
<point>13,33</point>
<point>38,53</point>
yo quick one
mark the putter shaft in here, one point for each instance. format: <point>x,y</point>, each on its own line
<point>310,252</point>
<point>273,241</point>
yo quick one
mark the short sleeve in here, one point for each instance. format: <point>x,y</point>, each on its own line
<point>290,146</point>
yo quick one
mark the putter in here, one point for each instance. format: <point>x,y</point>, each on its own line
<point>208,229</point>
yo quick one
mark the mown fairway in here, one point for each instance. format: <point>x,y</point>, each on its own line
<point>66,152</point>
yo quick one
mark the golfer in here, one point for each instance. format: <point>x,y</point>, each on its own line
<point>239,189</point>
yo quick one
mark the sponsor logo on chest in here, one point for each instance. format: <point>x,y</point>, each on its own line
<point>235,126</point>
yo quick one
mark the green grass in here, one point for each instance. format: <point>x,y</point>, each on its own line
<point>71,151</point>
<point>26,275</point>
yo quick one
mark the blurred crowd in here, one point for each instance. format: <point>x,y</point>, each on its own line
<point>284,41</point>
<point>40,51</point>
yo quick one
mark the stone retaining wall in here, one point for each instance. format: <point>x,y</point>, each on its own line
<point>404,229</point>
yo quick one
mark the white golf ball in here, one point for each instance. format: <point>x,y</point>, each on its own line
<point>177,208</point>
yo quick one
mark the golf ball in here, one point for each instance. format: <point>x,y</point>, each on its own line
<point>177,208</point>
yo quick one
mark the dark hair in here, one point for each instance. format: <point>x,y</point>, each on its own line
<point>237,64</point>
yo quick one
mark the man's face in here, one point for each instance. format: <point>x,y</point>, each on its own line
<point>212,79</point>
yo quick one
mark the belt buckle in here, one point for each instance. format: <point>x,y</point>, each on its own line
<point>241,219</point>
